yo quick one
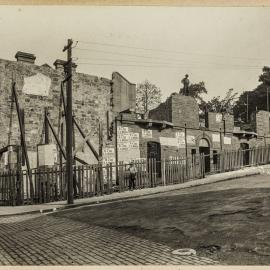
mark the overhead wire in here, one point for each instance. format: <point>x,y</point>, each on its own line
<point>169,62</point>
<point>166,51</point>
<point>157,66</point>
<point>232,65</point>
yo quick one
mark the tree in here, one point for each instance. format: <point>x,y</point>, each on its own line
<point>222,105</point>
<point>265,76</point>
<point>148,96</point>
<point>196,90</point>
<point>256,99</point>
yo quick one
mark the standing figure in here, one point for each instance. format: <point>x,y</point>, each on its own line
<point>132,177</point>
<point>185,82</point>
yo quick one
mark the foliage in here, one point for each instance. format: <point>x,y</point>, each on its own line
<point>148,96</point>
<point>196,90</point>
<point>257,98</point>
<point>221,105</point>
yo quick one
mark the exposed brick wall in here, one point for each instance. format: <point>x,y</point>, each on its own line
<point>215,121</point>
<point>185,110</point>
<point>163,111</point>
<point>262,123</point>
<point>218,121</point>
<point>229,122</point>
<point>123,93</point>
<point>179,110</point>
<point>39,87</point>
<point>91,100</point>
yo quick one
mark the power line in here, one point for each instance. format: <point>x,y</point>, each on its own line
<point>154,66</point>
<point>152,57</point>
<point>164,50</point>
<point>165,63</point>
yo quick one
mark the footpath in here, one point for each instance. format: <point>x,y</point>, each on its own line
<point>117,196</point>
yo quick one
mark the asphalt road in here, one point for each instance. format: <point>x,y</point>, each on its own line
<point>226,221</point>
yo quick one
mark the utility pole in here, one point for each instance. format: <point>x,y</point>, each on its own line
<point>69,133</point>
<point>46,126</point>
<point>247,107</point>
<point>267,97</point>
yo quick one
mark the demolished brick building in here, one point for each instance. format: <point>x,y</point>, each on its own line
<point>105,111</point>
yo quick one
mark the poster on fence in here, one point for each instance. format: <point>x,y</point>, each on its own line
<point>47,154</point>
<point>108,156</point>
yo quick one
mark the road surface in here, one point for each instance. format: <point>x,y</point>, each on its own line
<point>225,222</point>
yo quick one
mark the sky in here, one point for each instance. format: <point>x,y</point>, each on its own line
<point>224,47</point>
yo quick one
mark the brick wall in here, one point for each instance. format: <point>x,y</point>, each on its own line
<point>185,110</point>
<point>123,93</point>
<point>179,110</point>
<point>218,121</point>
<point>262,123</point>
<point>39,87</point>
<point>163,111</point>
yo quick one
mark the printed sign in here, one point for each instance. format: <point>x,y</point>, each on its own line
<point>218,117</point>
<point>108,155</point>
<point>147,133</point>
<point>191,140</point>
<point>180,139</point>
<point>38,85</point>
<point>227,140</point>
<point>128,144</point>
<point>47,154</point>
<point>168,141</point>
<point>216,137</point>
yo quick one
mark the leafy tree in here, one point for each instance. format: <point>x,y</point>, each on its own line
<point>196,90</point>
<point>148,96</point>
<point>221,105</point>
<point>265,76</point>
<point>256,99</point>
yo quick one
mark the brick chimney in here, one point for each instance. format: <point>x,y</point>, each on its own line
<point>60,65</point>
<point>25,57</point>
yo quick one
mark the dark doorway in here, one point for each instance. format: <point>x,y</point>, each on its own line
<point>245,148</point>
<point>205,149</point>
<point>153,151</point>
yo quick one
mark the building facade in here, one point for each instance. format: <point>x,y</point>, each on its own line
<point>105,111</point>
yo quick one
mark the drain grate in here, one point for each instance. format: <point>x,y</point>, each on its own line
<point>184,252</point>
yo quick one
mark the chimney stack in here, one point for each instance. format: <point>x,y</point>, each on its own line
<point>60,65</point>
<point>25,57</point>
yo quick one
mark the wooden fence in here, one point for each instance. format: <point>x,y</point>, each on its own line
<point>49,184</point>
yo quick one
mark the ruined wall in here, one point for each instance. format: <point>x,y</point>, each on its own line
<point>219,121</point>
<point>163,111</point>
<point>185,110</point>
<point>260,122</point>
<point>179,110</point>
<point>123,93</point>
<point>39,87</point>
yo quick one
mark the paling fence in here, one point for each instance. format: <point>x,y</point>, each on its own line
<point>49,184</point>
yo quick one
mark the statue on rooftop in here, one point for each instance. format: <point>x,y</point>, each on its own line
<point>185,82</point>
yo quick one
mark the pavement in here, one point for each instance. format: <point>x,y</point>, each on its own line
<point>117,196</point>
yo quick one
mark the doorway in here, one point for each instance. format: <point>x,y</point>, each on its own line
<point>153,151</point>
<point>204,148</point>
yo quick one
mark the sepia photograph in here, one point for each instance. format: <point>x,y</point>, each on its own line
<point>134,135</point>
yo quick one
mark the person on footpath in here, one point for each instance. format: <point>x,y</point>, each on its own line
<point>132,177</point>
